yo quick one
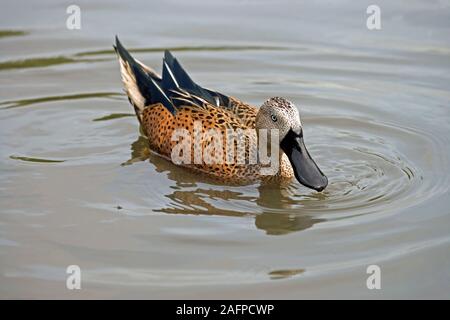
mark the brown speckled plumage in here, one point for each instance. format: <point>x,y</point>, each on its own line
<point>162,113</point>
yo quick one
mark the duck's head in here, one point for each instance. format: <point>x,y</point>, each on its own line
<point>279,113</point>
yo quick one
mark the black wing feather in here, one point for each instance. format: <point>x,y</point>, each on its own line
<point>172,88</point>
<point>149,87</point>
<point>186,83</point>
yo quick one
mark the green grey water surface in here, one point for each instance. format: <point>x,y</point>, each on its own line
<point>79,186</point>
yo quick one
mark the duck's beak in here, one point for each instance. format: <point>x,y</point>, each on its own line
<point>305,169</point>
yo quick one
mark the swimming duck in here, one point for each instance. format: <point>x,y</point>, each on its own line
<point>173,101</point>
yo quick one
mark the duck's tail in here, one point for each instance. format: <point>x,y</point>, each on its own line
<point>141,83</point>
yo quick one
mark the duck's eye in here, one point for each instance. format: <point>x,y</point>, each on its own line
<point>274,118</point>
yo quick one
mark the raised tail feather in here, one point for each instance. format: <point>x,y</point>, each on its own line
<point>142,84</point>
<point>185,82</point>
<point>145,87</point>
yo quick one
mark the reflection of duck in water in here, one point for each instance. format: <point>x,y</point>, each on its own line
<point>174,102</point>
<point>188,198</point>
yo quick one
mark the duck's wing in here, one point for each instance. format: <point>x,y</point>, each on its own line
<point>173,89</point>
<point>142,84</point>
<point>174,75</point>
<point>185,82</point>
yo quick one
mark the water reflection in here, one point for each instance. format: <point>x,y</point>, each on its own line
<point>285,273</point>
<point>277,212</point>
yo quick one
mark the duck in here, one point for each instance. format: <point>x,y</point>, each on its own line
<point>172,102</point>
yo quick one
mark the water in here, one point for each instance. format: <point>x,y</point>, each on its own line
<point>78,185</point>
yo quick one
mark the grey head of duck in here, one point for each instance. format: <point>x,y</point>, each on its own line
<point>282,115</point>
